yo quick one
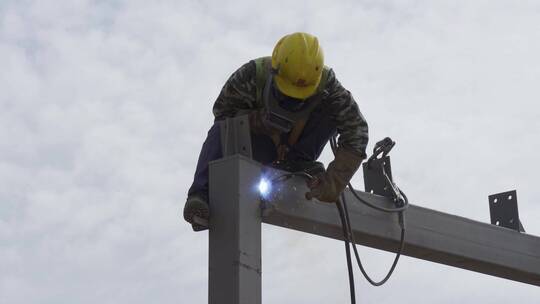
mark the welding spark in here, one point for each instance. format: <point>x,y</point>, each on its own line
<point>264,187</point>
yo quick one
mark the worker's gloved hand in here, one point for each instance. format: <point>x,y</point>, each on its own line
<point>196,212</point>
<point>323,188</point>
<point>327,187</point>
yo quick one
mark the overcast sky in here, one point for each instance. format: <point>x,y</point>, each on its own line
<point>104,106</point>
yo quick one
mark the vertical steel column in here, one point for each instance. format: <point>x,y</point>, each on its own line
<point>235,232</point>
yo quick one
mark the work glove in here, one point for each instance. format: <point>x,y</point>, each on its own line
<point>327,186</point>
<point>196,212</point>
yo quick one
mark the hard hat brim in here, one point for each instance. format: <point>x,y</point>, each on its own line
<point>294,91</point>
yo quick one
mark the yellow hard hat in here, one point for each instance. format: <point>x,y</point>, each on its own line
<point>299,61</point>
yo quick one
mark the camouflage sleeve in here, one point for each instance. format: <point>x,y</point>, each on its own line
<point>351,124</point>
<point>239,93</point>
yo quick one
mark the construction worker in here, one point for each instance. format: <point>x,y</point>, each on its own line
<point>294,83</point>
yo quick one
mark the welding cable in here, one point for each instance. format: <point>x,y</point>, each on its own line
<point>380,208</point>
<point>349,236</point>
<point>344,226</point>
<point>359,262</point>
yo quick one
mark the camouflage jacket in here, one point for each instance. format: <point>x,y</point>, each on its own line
<point>239,94</point>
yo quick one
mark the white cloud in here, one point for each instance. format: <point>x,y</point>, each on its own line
<point>105,105</point>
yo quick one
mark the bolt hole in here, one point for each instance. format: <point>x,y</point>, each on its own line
<point>509,197</point>
<point>498,223</point>
<point>495,201</point>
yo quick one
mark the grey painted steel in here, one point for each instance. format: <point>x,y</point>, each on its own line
<point>430,235</point>
<point>234,232</point>
<point>236,136</point>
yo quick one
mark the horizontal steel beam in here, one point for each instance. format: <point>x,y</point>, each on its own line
<point>430,235</point>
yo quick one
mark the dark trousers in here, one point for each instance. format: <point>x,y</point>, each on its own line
<point>318,130</point>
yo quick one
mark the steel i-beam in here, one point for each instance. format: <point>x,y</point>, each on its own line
<point>235,232</point>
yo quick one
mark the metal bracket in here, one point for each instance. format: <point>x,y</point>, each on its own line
<point>503,210</point>
<point>236,136</point>
<point>374,179</point>
<point>378,172</point>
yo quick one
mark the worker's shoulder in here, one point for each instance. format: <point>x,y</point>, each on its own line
<point>243,77</point>
<point>330,76</point>
<point>333,87</point>
<point>336,98</point>
<point>247,70</point>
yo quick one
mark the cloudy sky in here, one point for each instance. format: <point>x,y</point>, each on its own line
<point>105,104</point>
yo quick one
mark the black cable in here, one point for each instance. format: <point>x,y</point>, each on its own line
<point>349,236</point>
<point>344,226</point>
<point>359,262</point>
<point>380,208</point>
